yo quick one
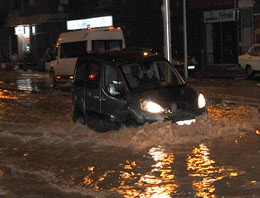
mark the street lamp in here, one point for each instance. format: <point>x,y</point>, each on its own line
<point>167,34</point>
<point>167,30</point>
<point>185,41</point>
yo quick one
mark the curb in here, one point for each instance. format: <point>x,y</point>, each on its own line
<point>223,70</point>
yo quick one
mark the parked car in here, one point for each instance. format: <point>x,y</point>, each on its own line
<point>178,63</point>
<point>193,64</point>
<point>250,61</point>
<point>131,87</point>
<point>72,43</point>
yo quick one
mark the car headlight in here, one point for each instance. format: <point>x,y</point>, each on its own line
<point>151,107</point>
<point>201,101</point>
<point>191,67</point>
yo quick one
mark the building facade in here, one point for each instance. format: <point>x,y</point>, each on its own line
<point>4,42</point>
<point>217,30</point>
<point>33,25</point>
<point>226,28</point>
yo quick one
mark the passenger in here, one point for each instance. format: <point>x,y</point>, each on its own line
<point>149,80</point>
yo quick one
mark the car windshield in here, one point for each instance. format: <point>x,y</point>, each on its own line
<point>255,51</point>
<point>150,75</point>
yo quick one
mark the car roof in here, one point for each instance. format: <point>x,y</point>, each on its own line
<point>124,56</point>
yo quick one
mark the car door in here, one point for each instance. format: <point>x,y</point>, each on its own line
<point>254,58</point>
<point>257,59</point>
<point>112,105</point>
<point>92,87</point>
<point>68,56</point>
<point>78,86</point>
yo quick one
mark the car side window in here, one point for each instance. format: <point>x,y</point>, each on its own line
<point>98,45</point>
<point>112,76</point>
<point>73,49</point>
<point>92,75</point>
<point>102,45</point>
<point>79,75</point>
<point>255,51</point>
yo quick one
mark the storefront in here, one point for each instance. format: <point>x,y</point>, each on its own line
<point>221,28</point>
<point>34,34</point>
<point>24,34</point>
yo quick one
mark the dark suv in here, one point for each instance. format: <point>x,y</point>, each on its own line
<point>131,87</point>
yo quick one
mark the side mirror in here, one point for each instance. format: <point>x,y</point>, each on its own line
<point>112,90</point>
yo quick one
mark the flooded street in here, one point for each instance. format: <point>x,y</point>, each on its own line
<point>44,154</point>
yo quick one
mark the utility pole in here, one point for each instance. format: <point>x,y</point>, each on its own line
<point>167,30</point>
<point>185,41</point>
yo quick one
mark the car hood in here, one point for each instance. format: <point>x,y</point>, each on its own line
<point>181,97</point>
<point>243,55</point>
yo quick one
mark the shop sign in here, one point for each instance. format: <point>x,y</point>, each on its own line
<point>96,22</point>
<point>19,30</point>
<point>24,30</point>
<point>219,16</point>
<point>36,19</point>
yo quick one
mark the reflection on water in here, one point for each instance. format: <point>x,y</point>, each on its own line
<point>155,175</point>
<point>5,94</point>
<point>25,81</point>
<point>98,183</point>
<point>87,178</point>
<point>137,179</point>
<point>26,85</point>
<point>230,112</point>
<point>1,110</point>
<point>158,182</point>
<point>205,172</point>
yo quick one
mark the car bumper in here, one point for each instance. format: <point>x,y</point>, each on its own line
<point>180,118</point>
<point>64,78</point>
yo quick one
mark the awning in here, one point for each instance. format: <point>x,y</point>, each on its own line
<point>36,19</point>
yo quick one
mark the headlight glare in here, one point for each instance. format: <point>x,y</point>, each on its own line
<point>201,101</point>
<point>152,107</point>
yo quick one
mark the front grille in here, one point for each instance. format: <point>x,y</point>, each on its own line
<point>182,116</point>
<point>179,107</point>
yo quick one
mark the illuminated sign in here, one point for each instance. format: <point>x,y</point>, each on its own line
<point>33,29</point>
<point>219,16</point>
<point>105,21</point>
<point>19,30</point>
<point>24,30</point>
<point>27,31</point>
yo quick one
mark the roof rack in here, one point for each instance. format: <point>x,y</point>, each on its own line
<point>149,50</point>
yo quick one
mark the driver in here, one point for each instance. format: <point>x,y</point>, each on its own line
<point>149,79</point>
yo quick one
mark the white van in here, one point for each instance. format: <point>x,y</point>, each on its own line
<point>71,44</point>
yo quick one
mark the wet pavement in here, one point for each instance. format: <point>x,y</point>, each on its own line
<point>44,154</point>
<point>210,169</point>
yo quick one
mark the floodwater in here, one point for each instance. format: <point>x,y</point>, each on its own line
<point>44,154</point>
